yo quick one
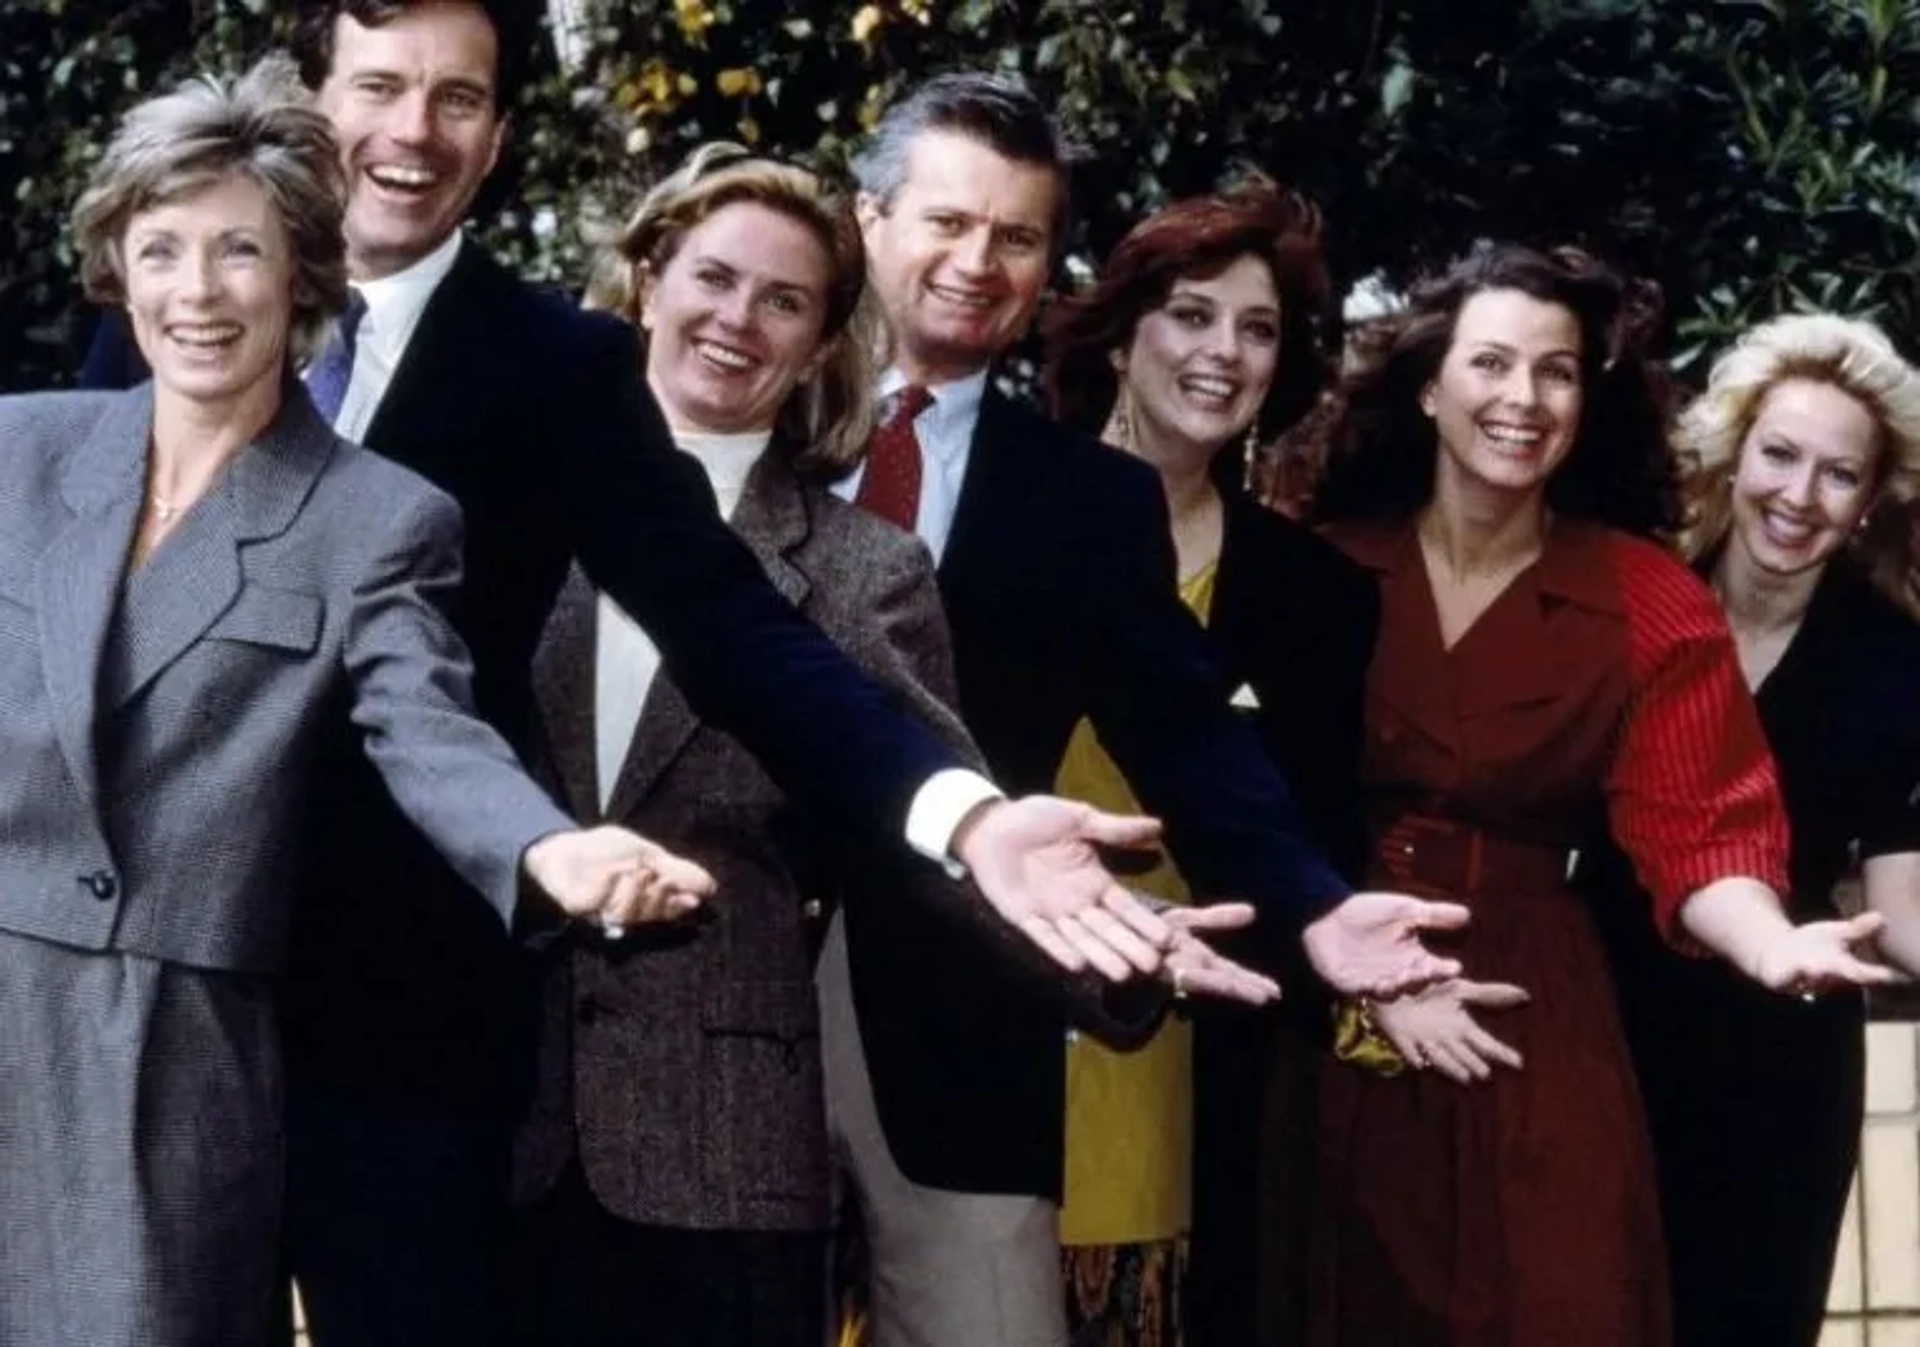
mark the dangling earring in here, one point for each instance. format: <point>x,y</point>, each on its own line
<point>1249,456</point>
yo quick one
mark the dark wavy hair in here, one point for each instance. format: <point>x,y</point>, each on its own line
<point>1199,237</point>
<point>1620,471</point>
<point>516,28</point>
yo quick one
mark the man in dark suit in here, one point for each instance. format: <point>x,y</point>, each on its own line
<point>1057,572</point>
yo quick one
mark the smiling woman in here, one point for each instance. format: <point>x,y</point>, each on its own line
<point>1199,335</point>
<point>1804,452</point>
<point>1544,669</point>
<point>201,580</point>
<point>697,1209</point>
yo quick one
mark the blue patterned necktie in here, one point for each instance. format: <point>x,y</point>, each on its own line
<point>332,370</point>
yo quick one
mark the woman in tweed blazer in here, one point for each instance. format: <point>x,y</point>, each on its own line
<point>674,1174</point>
<point>192,575</point>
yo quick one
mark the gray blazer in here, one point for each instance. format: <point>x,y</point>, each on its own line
<point>156,725</point>
<point>682,1065</point>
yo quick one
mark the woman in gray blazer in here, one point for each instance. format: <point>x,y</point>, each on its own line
<point>193,575</point>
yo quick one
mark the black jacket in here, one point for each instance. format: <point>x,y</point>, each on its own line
<point>1060,590</point>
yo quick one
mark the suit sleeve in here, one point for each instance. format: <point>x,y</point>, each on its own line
<point>647,532</point>
<point>1162,711</point>
<point>448,770</point>
<point>915,655</point>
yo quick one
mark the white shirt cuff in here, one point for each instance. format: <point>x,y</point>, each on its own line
<point>942,801</point>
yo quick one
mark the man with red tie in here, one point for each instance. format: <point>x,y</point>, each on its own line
<point>1055,564</point>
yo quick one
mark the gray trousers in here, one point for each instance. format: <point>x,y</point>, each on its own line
<point>948,1269</point>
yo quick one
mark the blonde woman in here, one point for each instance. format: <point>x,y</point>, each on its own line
<point>674,1177</point>
<point>1804,464</point>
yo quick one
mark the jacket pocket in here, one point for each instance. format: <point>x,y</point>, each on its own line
<point>772,1008</point>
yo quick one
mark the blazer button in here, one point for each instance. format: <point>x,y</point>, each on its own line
<point>101,884</point>
<point>812,909</point>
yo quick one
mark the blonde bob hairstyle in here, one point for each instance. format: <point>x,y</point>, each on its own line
<point>826,419</point>
<point>170,147</point>
<point>1851,356</point>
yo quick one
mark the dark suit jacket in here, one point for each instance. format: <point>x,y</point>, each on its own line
<point>682,1064</point>
<point>1060,589</point>
<point>1293,622</point>
<point>533,416</point>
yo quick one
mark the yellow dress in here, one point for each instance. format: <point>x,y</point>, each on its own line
<point>1129,1114</point>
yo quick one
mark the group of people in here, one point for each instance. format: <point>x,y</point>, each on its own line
<point>775,592</point>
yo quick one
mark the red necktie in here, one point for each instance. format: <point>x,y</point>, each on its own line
<point>891,486</point>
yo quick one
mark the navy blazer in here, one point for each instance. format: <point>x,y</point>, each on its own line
<point>534,417</point>
<point>1060,590</point>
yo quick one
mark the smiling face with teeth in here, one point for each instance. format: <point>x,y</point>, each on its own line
<point>209,294</point>
<point>1508,396</point>
<point>1201,363</point>
<point>412,102</point>
<point>959,254</point>
<point>734,318</point>
<point>1805,477</point>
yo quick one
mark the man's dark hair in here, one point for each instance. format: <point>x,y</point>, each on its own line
<point>516,25</point>
<point>997,110</point>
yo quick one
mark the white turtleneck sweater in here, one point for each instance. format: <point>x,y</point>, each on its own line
<point>625,658</point>
<point>626,661</point>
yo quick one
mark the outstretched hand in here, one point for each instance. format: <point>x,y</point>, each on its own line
<point>616,877</point>
<point>1435,1027</point>
<point>1820,955</point>
<point>1193,967</point>
<point>1370,944</point>
<point>1035,861</point>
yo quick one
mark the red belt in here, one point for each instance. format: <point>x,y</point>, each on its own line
<point>1454,857</point>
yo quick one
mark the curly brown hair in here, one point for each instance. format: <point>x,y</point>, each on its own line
<point>1620,471</point>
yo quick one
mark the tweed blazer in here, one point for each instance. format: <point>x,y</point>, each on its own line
<point>682,1064</point>
<point>157,724</point>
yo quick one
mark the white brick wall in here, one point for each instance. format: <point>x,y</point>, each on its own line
<point>1875,1297</point>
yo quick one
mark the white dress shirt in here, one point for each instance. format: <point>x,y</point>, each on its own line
<point>945,431</point>
<point>394,306</point>
<point>625,657</point>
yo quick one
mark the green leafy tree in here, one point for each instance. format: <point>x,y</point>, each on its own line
<point>1751,155</point>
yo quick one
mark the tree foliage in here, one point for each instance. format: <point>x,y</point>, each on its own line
<point>1751,155</point>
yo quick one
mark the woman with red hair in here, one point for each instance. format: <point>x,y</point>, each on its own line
<point>1198,340</point>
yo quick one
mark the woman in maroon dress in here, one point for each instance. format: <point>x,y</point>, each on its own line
<point>1543,667</point>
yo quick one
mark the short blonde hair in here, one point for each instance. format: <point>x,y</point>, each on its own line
<point>260,126</point>
<point>1850,355</point>
<point>827,418</point>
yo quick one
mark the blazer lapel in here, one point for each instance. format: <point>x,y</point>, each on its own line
<point>78,576</point>
<point>1409,673</point>
<point>453,346</point>
<point>563,674</point>
<point>771,519</point>
<point>992,470</point>
<point>1574,570</point>
<point>192,578</point>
